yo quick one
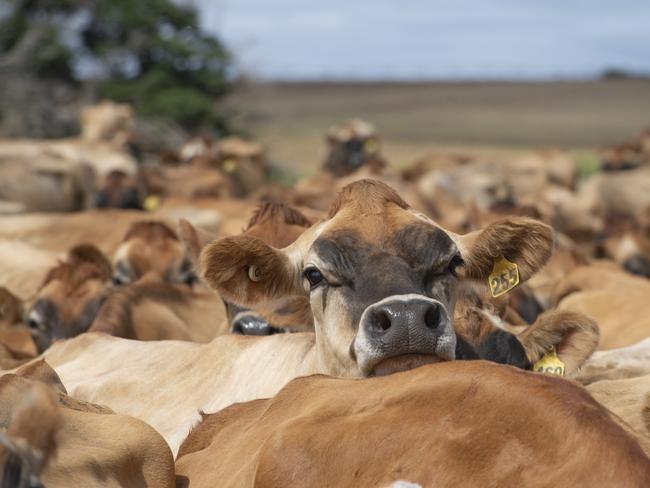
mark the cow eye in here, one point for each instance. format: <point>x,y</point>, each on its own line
<point>314,276</point>
<point>455,262</point>
<point>119,280</point>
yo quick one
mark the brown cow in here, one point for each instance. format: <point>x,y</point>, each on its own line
<point>70,296</point>
<point>153,311</point>
<point>278,225</point>
<point>384,305</point>
<point>60,441</point>
<point>442,425</point>
<point>351,146</point>
<point>610,296</point>
<point>151,247</point>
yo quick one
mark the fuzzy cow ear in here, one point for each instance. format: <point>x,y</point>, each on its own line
<point>573,335</point>
<point>194,239</point>
<point>525,242</point>
<point>247,271</point>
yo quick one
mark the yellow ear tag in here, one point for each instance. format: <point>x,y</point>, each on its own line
<point>504,277</point>
<point>151,203</point>
<point>550,363</point>
<point>230,165</point>
<point>371,146</point>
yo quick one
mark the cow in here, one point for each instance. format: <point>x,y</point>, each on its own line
<point>72,174</point>
<point>351,146</point>
<point>442,425</point>
<point>151,247</point>
<point>620,380</point>
<point>628,244</point>
<point>156,310</point>
<point>612,297</point>
<point>70,296</point>
<point>231,167</point>
<point>278,225</point>
<point>381,280</point>
<point>54,440</point>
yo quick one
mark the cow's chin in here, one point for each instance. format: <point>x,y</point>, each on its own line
<point>403,363</point>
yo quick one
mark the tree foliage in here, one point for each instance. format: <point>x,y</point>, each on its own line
<point>150,53</point>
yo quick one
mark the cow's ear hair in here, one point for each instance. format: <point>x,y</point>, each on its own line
<point>247,271</point>
<point>194,239</point>
<point>526,242</point>
<point>573,335</point>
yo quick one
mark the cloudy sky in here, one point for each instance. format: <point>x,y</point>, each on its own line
<point>406,39</point>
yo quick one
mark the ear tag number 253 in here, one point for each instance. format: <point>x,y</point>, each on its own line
<point>504,277</point>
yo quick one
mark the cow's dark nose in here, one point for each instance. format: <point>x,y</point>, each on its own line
<point>253,325</point>
<point>637,265</point>
<point>403,328</point>
<point>398,321</point>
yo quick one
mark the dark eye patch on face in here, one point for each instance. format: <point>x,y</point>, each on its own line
<point>343,253</point>
<point>425,248</point>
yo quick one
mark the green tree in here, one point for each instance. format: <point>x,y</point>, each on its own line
<point>150,53</point>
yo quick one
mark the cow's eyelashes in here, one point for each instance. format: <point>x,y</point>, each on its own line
<point>314,276</point>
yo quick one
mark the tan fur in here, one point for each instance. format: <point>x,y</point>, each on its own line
<point>628,398</point>
<point>612,298</point>
<point>162,311</point>
<point>376,431</point>
<point>366,196</point>
<point>94,447</point>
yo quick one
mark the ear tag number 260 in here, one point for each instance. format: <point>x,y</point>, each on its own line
<point>504,277</point>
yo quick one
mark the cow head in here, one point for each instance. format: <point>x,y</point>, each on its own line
<point>118,190</point>
<point>277,225</point>
<point>151,248</point>
<point>352,146</point>
<point>70,296</point>
<point>627,243</point>
<point>30,439</point>
<point>381,278</point>
<point>242,164</point>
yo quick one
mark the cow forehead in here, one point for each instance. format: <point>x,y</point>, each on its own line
<point>344,242</point>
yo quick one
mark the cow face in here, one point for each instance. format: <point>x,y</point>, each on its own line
<point>381,279</point>
<point>119,190</point>
<point>350,147</point>
<point>630,248</point>
<point>70,296</point>
<point>278,225</point>
<point>152,249</point>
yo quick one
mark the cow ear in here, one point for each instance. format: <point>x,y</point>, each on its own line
<point>574,336</point>
<point>525,242</point>
<point>247,271</point>
<point>194,239</point>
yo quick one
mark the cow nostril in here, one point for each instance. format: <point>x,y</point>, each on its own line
<point>381,321</point>
<point>432,317</point>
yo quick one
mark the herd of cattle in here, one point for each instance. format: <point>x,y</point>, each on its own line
<point>182,320</point>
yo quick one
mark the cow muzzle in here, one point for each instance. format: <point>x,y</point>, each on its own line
<point>402,332</point>
<point>249,323</point>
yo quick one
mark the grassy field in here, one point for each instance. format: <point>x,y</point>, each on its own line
<point>415,118</point>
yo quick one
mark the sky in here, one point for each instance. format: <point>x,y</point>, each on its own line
<point>434,39</point>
